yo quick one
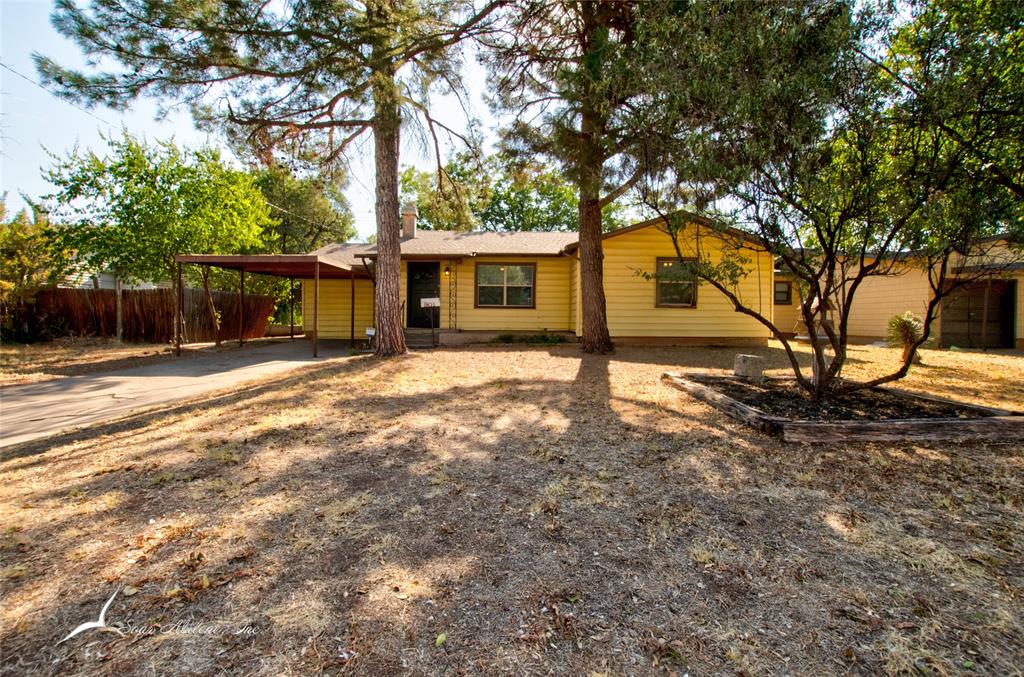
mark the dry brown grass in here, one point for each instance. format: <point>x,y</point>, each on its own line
<point>490,510</point>
<point>34,362</point>
<point>30,363</point>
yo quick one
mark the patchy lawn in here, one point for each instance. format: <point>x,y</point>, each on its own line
<point>30,363</point>
<point>517,511</point>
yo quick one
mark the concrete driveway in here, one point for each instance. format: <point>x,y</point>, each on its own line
<point>36,410</point>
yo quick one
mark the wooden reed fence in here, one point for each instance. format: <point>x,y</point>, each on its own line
<point>148,314</point>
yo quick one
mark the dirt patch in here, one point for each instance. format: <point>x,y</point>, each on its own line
<point>513,511</point>
<point>777,397</point>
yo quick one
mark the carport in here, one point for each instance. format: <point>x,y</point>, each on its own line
<point>313,266</point>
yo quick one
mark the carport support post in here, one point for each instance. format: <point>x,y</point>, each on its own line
<point>291,306</point>
<point>352,308</point>
<point>241,308</point>
<point>178,312</point>
<point>316,306</point>
<point>984,317</point>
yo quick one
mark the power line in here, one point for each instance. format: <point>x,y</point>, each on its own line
<point>55,95</point>
<point>282,209</point>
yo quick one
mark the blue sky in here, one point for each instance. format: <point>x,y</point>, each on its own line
<point>33,121</point>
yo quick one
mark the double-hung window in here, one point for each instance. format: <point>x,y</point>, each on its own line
<point>676,284</point>
<point>784,293</point>
<point>505,285</point>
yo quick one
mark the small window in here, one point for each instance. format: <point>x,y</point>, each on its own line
<point>676,283</point>
<point>783,293</point>
<point>505,285</point>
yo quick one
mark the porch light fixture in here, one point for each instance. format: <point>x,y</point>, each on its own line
<point>447,271</point>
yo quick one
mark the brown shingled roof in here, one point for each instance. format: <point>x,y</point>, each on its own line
<point>346,254</point>
<point>446,243</point>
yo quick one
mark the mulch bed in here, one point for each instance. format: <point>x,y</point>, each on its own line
<point>785,398</point>
<point>780,407</point>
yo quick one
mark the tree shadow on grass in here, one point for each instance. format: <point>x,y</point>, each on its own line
<point>559,516</point>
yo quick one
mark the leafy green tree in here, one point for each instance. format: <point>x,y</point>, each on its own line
<point>302,80</point>
<point>138,206</point>
<point>310,211</point>
<point>860,182</point>
<point>450,198</point>
<point>27,263</point>
<point>532,196</point>
<point>498,193</point>
<point>956,66</point>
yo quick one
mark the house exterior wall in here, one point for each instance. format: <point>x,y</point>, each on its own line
<point>575,317</point>
<point>552,289</point>
<point>878,299</point>
<point>632,312</point>
<point>335,304</point>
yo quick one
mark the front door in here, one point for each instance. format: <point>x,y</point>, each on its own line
<point>424,283</point>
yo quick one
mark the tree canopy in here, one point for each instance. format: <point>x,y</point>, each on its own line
<point>133,209</point>
<point>27,261</point>
<point>497,193</point>
<point>310,211</point>
<point>865,172</point>
<point>301,81</point>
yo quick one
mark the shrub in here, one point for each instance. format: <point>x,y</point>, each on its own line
<point>903,331</point>
<point>535,339</point>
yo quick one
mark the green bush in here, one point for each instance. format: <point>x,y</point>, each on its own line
<point>534,339</point>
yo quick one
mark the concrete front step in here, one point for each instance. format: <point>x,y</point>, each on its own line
<point>419,338</point>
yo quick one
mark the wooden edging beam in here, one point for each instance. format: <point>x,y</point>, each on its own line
<point>992,428</point>
<point>994,424</point>
<point>734,408</point>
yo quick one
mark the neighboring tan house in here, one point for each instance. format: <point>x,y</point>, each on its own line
<point>81,278</point>
<point>497,282</point>
<point>962,319</point>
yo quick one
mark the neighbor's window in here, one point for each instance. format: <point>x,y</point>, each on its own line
<point>783,293</point>
<point>503,285</point>
<point>677,286</point>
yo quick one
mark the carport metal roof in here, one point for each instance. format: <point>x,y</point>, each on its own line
<point>278,265</point>
<point>315,266</point>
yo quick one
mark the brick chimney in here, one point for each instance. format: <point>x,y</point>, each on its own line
<point>409,213</point>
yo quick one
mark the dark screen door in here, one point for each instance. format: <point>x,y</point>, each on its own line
<point>424,283</point>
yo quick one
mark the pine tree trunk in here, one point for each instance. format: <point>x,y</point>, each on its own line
<point>390,337</point>
<point>595,337</point>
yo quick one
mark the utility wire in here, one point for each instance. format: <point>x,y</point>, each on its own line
<point>290,213</point>
<point>55,95</point>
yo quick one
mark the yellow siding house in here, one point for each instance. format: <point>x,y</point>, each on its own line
<point>471,286</point>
